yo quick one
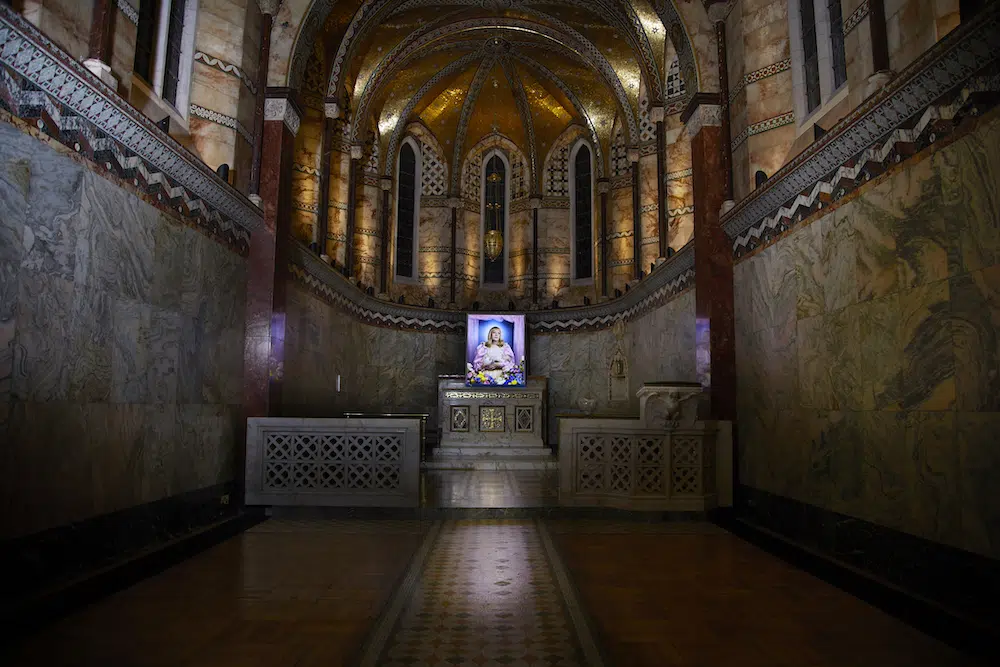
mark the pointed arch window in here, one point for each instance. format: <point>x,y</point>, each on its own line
<point>496,192</point>
<point>407,209</point>
<point>582,212</point>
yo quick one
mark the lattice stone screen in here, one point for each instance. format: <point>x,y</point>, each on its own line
<point>638,468</point>
<point>344,462</point>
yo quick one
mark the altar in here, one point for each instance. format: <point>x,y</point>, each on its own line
<point>499,425</point>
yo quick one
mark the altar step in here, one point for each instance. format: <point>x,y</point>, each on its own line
<point>491,458</point>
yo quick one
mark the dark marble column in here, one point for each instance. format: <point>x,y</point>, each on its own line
<point>263,362</point>
<point>101,42</point>
<point>454,203</point>
<point>713,260</point>
<point>536,204</point>
<point>603,187</point>
<point>268,9</point>
<point>656,115</point>
<point>386,184</point>
<point>323,214</point>
<point>633,156</point>
<point>727,157</point>
<point>352,208</point>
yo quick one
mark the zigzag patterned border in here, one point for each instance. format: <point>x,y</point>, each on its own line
<point>897,121</point>
<point>936,122</point>
<point>758,74</point>
<point>130,12</point>
<point>856,16</point>
<point>50,90</point>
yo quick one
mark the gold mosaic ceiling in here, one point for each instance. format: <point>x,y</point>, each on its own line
<point>468,68</point>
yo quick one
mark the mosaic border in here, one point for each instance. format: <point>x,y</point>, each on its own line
<point>221,119</point>
<point>759,74</point>
<point>223,66</point>
<point>773,123</point>
<point>130,12</point>
<point>891,124</point>
<point>852,21</point>
<point>44,86</point>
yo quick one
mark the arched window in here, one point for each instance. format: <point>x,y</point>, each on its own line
<point>582,212</point>
<point>407,209</point>
<point>496,192</point>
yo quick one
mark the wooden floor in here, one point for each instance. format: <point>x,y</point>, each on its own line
<point>305,593</point>
<point>712,600</point>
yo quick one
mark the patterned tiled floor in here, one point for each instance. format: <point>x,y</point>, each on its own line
<point>490,593</point>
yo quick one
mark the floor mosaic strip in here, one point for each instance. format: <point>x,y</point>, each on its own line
<point>484,593</point>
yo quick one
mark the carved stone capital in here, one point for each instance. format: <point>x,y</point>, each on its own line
<point>357,151</point>
<point>657,114</point>
<point>535,202</point>
<point>454,202</point>
<point>603,186</point>
<point>281,108</point>
<point>633,155</point>
<point>269,6</point>
<point>385,183</point>
<point>332,110</point>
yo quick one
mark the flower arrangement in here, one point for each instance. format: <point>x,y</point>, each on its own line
<point>514,377</point>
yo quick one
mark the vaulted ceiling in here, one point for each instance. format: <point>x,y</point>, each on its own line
<point>466,68</point>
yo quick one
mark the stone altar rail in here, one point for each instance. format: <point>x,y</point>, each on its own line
<point>333,462</point>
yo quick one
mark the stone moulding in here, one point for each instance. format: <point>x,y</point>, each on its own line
<point>49,89</point>
<point>667,281</point>
<point>884,127</point>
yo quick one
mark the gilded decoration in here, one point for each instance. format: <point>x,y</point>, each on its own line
<point>491,419</point>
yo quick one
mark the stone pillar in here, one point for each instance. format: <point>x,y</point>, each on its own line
<point>268,9</point>
<point>100,46</point>
<point>713,261</point>
<point>323,214</point>
<point>357,152</point>
<point>386,184</point>
<point>727,155</point>
<point>263,362</point>
<point>881,73</point>
<point>656,115</point>
<point>536,204</point>
<point>633,157</point>
<point>454,203</point>
<point>603,187</point>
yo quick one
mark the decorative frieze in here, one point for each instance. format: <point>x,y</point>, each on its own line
<point>57,96</point>
<point>675,175</point>
<point>128,11</point>
<point>228,68</point>
<point>896,122</point>
<point>757,75</point>
<point>852,21</point>
<point>775,122</point>
<point>223,120</point>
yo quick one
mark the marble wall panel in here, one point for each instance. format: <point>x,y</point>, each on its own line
<point>65,22</point>
<point>868,354</point>
<point>127,328</point>
<point>123,51</point>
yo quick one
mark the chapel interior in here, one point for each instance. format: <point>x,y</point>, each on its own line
<point>653,333</point>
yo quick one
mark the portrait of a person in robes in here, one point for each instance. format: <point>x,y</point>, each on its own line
<point>494,357</point>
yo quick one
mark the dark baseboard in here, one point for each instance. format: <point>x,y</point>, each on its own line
<point>35,613</point>
<point>811,546</point>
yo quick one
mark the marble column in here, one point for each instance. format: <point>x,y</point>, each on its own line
<point>633,157</point>
<point>603,187</point>
<point>383,282</point>
<point>357,152</point>
<point>263,362</point>
<point>713,259</point>
<point>536,205</point>
<point>323,214</point>
<point>268,9</point>
<point>656,115</point>
<point>101,44</point>
<point>727,156</point>
<point>878,38</point>
<point>454,203</point>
